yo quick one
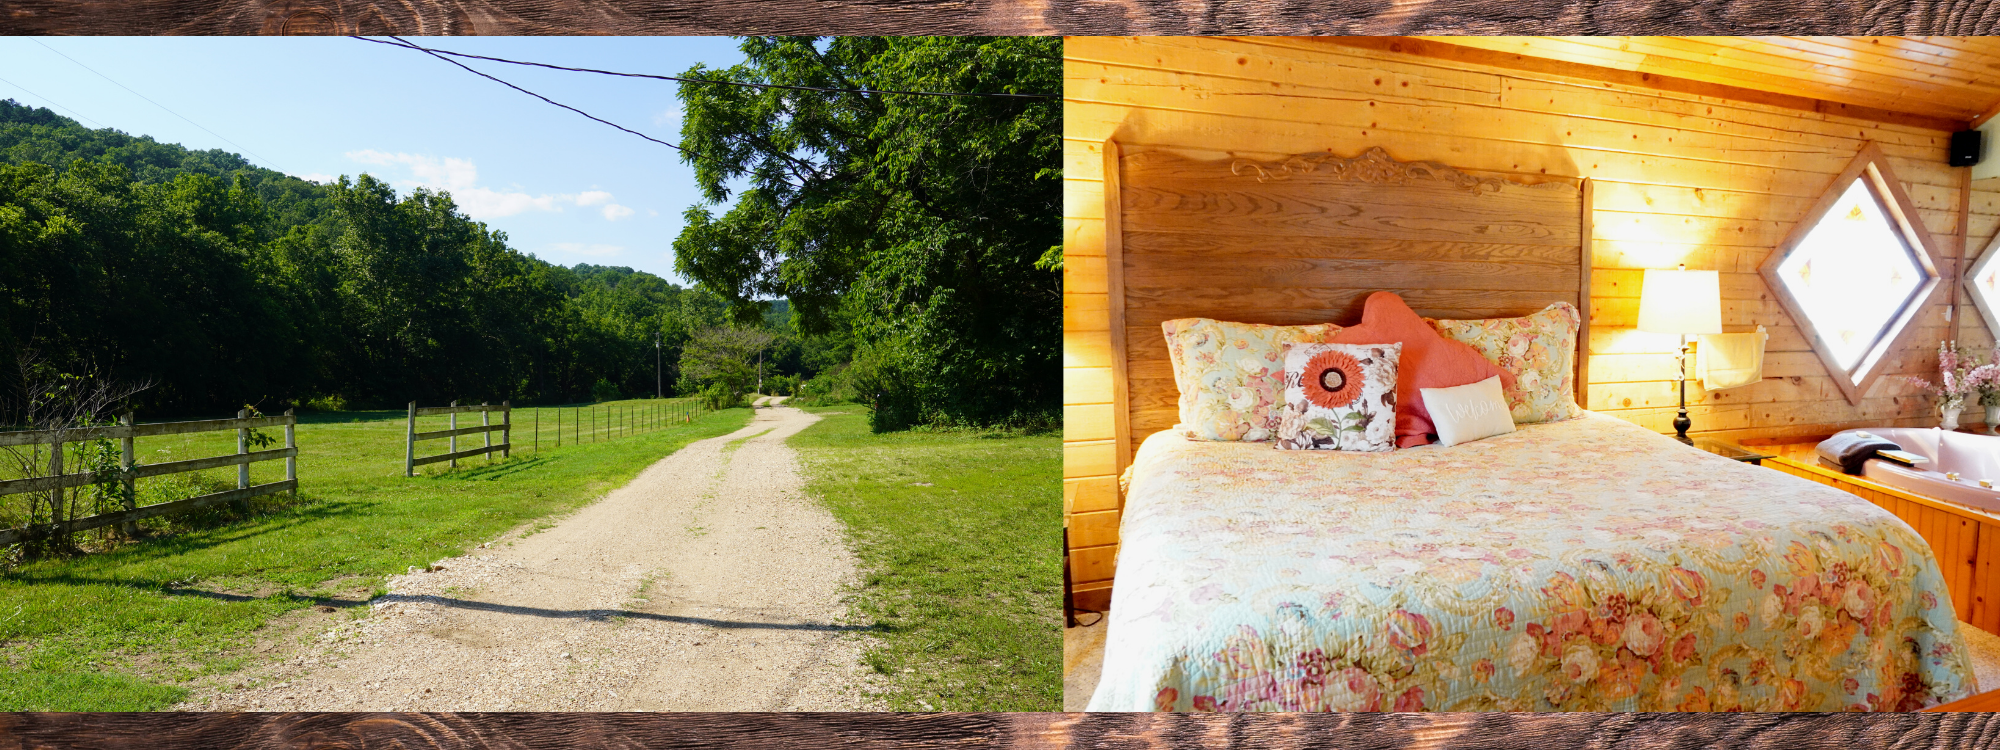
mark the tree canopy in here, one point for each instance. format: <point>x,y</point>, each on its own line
<point>223,283</point>
<point>911,225</point>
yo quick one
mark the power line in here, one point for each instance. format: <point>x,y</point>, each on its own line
<point>704,80</point>
<point>51,101</point>
<point>267,162</point>
<point>469,69</point>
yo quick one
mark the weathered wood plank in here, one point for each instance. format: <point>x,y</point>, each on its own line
<point>467,453</point>
<point>431,411</point>
<point>475,429</point>
<point>13,536</point>
<point>43,484</point>
<point>1946,727</point>
<point>216,462</point>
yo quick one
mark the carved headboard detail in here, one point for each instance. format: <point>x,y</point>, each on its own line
<point>1305,239</point>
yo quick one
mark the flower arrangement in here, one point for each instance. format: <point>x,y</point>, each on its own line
<point>1958,378</point>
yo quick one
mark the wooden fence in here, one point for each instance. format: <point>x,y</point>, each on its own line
<point>486,429</point>
<point>128,471</point>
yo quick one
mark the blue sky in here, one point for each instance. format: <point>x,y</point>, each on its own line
<point>563,188</point>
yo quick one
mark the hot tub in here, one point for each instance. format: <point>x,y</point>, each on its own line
<point>1971,457</point>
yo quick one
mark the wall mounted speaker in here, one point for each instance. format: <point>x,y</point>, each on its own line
<point>1965,148</point>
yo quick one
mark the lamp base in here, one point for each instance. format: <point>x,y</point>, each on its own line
<point>1681,425</point>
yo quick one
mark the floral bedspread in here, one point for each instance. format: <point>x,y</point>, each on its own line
<point>1582,565</point>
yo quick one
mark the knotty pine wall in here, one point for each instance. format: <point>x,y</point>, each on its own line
<point>1680,178</point>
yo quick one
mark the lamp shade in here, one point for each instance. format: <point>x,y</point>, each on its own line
<point>1680,302</point>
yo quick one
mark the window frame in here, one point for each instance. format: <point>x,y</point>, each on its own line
<point>1872,167</point>
<point>1988,256</point>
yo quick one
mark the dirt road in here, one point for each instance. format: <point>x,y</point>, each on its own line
<point>710,583</point>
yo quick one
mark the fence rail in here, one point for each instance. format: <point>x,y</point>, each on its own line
<point>129,471</point>
<point>485,428</point>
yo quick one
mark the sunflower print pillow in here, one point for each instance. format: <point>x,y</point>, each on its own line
<point>1339,397</point>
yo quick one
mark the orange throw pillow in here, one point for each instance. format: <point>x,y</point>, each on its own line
<point>1428,361</point>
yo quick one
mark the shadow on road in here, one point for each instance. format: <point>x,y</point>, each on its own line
<point>608,614</point>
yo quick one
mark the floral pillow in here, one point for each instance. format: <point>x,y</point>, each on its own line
<point>1539,350</point>
<point>1340,397</point>
<point>1231,375</point>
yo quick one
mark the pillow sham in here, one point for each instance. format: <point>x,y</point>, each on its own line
<point>1469,412</point>
<point>1231,375</point>
<point>1429,360</point>
<point>1538,350</point>
<point>1339,397</point>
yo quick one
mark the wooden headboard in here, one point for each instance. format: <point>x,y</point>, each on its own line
<point>1307,239</point>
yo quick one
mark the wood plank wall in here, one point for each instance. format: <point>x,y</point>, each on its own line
<point>1679,178</point>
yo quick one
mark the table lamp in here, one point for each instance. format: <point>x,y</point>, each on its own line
<point>1682,302</point>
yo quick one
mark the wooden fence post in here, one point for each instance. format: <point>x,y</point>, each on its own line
<point>410,444</point>
<point>292,444</point>
<point>486,420</point>
<point>243,469</point>
<point>538,431</point>
<point>454,438</point>
<point>506,429</point>
<point>126,484</point>
<point>56,469</point>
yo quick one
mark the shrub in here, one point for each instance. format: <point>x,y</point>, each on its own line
<point>720,396</point>
<point>830,387</point>
<point>782,385</point>
<point>604,391</point>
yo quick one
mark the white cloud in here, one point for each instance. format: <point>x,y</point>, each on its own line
<point>316,177</point>
<point>461,178</point>
<point>651,212</point>
<point>594,250</point>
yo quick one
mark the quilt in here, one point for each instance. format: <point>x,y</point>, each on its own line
<point>1581,565</point>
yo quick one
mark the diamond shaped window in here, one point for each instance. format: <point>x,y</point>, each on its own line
<point>1855,271</point>
<point>1983,281</point>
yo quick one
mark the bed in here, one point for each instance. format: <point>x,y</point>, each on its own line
<point>1584,564</point>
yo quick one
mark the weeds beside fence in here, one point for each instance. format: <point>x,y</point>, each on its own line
<point>120,479</point>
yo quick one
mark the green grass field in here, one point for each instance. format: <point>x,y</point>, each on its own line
<point>123,628</point>
<point>957,533</point>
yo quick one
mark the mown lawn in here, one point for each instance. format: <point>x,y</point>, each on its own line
<point>123,629</point>
<point>957,534</point>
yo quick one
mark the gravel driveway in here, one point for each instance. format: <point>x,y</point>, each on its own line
<point>710,583</point>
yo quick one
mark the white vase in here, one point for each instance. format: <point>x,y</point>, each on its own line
<point>1950,421</point>
<point>1993,419</point>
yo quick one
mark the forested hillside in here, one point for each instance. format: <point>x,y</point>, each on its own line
<point>224,283</point>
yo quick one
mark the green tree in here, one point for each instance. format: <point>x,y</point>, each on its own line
<point>225,284</point>
<point>914,223</point>
<point>732,357</point>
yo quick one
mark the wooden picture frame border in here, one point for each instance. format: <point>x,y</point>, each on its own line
<point>1028,731</point>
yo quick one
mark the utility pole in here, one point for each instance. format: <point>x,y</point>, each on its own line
<point>659,381</point>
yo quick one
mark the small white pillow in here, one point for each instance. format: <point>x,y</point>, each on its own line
<point>1469,412</point>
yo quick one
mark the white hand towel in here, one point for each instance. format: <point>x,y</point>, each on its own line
<point>1730,360</point>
